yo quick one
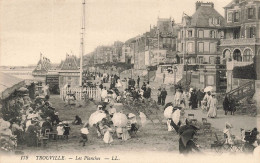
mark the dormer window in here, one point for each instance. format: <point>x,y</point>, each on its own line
<point>236,17</point>
<point>230,17</point>
<point>69,64</point>
<point>217,21</point>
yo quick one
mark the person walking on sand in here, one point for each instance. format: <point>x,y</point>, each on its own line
<point>163,96</point>
<point>84,135</point>
<point>213,103</point>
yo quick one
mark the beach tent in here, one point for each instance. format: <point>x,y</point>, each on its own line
<point>8,84</point>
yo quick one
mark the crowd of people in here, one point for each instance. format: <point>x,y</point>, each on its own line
<point>111,123</point>
<point>27,121</point>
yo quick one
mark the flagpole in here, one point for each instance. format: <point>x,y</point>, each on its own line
<point>183,39</point>
<point>82,42</point>
<point>158,39</point>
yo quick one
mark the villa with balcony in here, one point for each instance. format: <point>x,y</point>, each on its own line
<point>241,40</point>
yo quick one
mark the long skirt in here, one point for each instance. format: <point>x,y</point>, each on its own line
<point>107,137</point>
<point>212,113</point>
<point>170,128</point>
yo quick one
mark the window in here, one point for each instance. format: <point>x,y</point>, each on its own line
<point>247,56</point>
<point>206,47</point>
<point>201,60</point>
<point>189,33</point>
<point>237,55</point>
<point>230,16</point>
<point>213,48</point>
<point>201,47</point>
<point>217,21</point>
<point>211,21</point>
<point>251,32</point>
<point>226,56</point>
<point>212,34</point>
<point>212,60</point>
<point>236,17</point>
<point>251,13</point>
<point>190,47</point>
<point>201,33</point>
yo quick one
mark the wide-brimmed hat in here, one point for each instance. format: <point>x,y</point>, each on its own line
<point>228,125</point>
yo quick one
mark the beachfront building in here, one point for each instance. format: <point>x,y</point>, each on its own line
<point>241,39</point>
<point>69,73</point>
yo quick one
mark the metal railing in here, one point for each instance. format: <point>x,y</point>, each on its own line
<point>245,90</point>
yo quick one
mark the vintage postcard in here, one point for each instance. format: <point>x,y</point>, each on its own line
<point>129,81</point>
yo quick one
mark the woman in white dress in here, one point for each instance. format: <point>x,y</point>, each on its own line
<point>227,134</point>
<point>212,104</point>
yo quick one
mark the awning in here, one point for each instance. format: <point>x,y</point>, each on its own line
<point>8,84</point>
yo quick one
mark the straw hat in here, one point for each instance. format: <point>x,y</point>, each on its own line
<point>228,125</point>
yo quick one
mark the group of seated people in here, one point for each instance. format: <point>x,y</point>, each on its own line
<point>31,120</point>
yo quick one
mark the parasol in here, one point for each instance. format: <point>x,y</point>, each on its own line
<point>208,89</point>
<point>119,120</point>
<point>168,104</point>
<point>168,112</point>
<point>176,116</point>
<point>96,117</point>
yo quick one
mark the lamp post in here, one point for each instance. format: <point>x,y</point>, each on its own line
<point>205,71</point>
<point>175,70</point>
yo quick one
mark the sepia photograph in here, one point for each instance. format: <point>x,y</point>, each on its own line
<point>129,81</point>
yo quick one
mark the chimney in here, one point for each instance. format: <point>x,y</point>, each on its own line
<point>200,3</point>
<point>40,56</point>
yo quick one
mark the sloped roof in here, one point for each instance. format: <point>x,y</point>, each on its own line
<point>70,63</point>
<point>43,66</point>
<point>201,17</point>
<point>8,84</point>
<point>230,4</point>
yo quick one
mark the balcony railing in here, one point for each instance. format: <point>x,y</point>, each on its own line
<point>232,64</point>
<point>241,41</point>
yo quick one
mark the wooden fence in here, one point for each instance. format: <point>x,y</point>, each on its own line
<point>81,93</point>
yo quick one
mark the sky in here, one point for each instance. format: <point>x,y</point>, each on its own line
<point>52,27</point>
